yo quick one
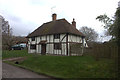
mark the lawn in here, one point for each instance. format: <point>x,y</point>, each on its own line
<point>14,53</point>
<point>68,66</point>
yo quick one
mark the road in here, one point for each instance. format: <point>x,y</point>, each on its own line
<point>10,71</point>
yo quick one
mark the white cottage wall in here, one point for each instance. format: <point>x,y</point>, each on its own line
<point>50,43</point>
<point>63,36</point>
<point>43,37</point>
<point>63,49</point>
<point>33,42</point>
<point>51,48</point>
<point>38,40</point>
<point>51,38</point>
<point>39,48</point>
<point>74,38</point>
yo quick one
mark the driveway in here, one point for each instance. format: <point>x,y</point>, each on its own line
<point>10,71</point>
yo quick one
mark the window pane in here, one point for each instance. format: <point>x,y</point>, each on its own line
<point>32,46</point>
<point>57,45</point>
<point>57,36</point>
<point>33,38</point>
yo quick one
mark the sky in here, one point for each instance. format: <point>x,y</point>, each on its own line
<point>24,16</point>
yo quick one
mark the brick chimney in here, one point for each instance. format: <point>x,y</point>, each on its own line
<point>54,16</point>
<point>74,23</point>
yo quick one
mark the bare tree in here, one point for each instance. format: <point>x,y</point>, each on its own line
<point>90,33</point>
<point>7,38</point>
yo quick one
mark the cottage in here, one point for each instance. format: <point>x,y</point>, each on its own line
<point>55,37</point>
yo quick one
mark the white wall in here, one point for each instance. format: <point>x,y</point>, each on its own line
<point>74,38</point>
<point>39,48</point>
<point>62,36</point>
<point>43,37</point>
<point>31,50</point>
<point>48,38</point>
<point>51,38</point>
<point>50,47</point>
<point>37,40</point>
<point>63,49</point>
<point>85,43</point>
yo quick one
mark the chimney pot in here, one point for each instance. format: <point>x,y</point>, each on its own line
<point>74,23</point>
<point>54,16</point>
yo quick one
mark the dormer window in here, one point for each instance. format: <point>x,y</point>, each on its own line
<point>33,38</point>
<point>56,36</point>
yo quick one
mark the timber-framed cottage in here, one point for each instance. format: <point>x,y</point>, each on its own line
<point>55,37</point>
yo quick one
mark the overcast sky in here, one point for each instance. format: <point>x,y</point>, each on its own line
<point>24,16</point>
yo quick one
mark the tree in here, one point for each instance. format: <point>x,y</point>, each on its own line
<point>112,25</point>
<point>108,22</point>
<point>7,41</point>
<point>116,26</point>
<point>7,38</point>
<point>90,34</point>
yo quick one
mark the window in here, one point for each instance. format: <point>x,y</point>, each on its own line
<point>32,46</point>
<point>33,38</point>
<point>40,37</point>
<point>56,36</point>
<point>57,46</point>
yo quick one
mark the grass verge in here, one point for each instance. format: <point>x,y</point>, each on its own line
<point>14,53</point>
<point>65,66</point>
<point>70,66</point>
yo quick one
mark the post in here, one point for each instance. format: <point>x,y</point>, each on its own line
<point>67,44</point>
<point>82,45</point>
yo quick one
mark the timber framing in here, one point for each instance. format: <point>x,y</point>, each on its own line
<point>67,43</point>
<point>65,40</point>
<point>54,32</point>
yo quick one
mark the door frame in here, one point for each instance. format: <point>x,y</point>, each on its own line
<point>43,49</point>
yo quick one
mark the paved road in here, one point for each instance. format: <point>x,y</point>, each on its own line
<point>10,71</point>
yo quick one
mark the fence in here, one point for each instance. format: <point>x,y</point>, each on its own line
<point>108,50</point>
<point>102,51</point>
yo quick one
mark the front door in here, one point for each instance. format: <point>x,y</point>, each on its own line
<point>43,49</point>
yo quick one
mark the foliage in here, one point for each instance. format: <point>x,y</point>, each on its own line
<point>116,28</point>
<point>106,20</point>
<point>90,34</point>
<point>112,25</point>
<point>7,39</point>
